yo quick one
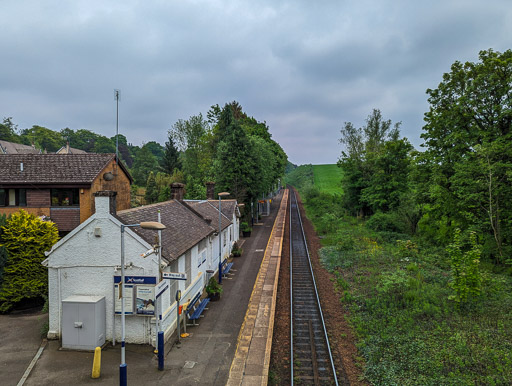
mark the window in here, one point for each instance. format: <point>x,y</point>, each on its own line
<point>13,197</point>
<point>65,197</point>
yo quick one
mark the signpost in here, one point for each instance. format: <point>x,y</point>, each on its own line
<point>174,275</point>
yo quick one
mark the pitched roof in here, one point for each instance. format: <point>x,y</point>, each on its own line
<point>70,150</point>
<point>228,207</point>
<point>185,228</point>
<point>53,168</point>
<point>17,148</point>
<point>208,211</point>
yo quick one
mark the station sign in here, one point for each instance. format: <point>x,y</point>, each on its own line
<point>174,275</point>
<point>136,279</point>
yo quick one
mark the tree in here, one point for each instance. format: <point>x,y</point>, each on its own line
<point>192,139</point>
<point>80,139</point>
<point>156,149</point>
<point>145,162</point>
<point>234,171</point>
<point>151,195</point>
<point>26,238</point>
<point>170,159</point>
<point>43,138</point>
<point>8,130</point>
<point>104,145</point>
<point>467,138</point>
<point>374,165</point>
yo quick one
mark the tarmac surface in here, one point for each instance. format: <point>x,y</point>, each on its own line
<point>203,358</point>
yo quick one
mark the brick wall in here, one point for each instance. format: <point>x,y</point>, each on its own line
<point>38,198</point>
<point>120,184</point>
<point>66,219</point>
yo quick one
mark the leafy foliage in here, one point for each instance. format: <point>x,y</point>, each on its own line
<point>8,130</point>
<point>466,279</point>
<point>397,288</point>
<point>26,238</point>
<point>170,160</point>
<point>375,165</point>
<point>145,163</point>
<point>3,251</point>
<point>151,194</point>
<point>468,154</point>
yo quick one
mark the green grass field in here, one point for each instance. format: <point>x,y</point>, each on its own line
<point>328,178</point>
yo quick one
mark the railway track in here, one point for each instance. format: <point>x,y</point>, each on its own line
<point>311,353</point>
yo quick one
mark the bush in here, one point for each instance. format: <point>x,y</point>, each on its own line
<point>26,238</point>
<point>3,252</point>
<point>213,287</point>
<point>466,279</point>
<point>244,227</point>
<point>236,251</point>
<point>385,222</point>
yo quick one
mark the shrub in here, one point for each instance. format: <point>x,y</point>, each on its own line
<point>26,238</point>
<point>236,251</point>
<point>385,222</point>
<point>244,227</point>
<point>213,287</point>
<point>466,279</point>
<point>3,252</point>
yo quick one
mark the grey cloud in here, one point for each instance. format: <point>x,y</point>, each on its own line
<point>303,67</point>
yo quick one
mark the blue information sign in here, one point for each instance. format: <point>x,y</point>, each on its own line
<point>136,279</point>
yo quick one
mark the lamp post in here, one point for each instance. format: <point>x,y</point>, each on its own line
<point>145,225</point>
<point>222,194</point>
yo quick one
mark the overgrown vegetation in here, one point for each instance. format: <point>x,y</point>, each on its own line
<point>420,243</point>
<point>25,238</point>
<point>400,291</point>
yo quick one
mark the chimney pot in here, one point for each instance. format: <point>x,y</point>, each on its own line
<point>100,201</point>
<point>177,191</point>
<point>210,190</point>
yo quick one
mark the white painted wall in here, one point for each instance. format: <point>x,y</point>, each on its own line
<point>83,264</point>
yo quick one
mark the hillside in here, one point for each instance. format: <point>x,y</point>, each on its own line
<point>327,178</point>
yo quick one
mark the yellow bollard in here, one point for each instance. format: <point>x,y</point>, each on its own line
<point>96,364</point>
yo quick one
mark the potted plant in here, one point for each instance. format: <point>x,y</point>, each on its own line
<point>246,229</point>
<point>213,289</point>
<point>236,251</point>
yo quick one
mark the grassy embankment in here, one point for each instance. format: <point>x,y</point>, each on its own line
<point>397,287</point>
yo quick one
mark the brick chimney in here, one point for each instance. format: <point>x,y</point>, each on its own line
<point>105,202</point>
<point>177,191</point>
<point>210,190</point>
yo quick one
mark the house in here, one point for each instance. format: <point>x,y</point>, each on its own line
<point>86,262</point>
<point>69,150</point>
<point>7,147</point>
<point>60,186</point>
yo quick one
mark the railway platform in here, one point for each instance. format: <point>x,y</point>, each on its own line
<point>231,345</point>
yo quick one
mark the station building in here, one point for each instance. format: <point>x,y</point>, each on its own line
<point>85,264</point>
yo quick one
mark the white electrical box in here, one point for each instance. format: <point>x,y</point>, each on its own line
<point>83,322</point>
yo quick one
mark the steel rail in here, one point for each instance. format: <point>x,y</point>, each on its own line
<point>291,290</point>
<point>318,305</point>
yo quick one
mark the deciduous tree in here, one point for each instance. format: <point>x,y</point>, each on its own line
<point>467,138</point>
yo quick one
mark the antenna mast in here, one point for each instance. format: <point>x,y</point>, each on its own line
<point>117,97</point>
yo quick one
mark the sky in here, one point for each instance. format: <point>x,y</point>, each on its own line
<point>303,67</point>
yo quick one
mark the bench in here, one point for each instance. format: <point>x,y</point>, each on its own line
<point>195,308</point>
<point>226,267</point>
